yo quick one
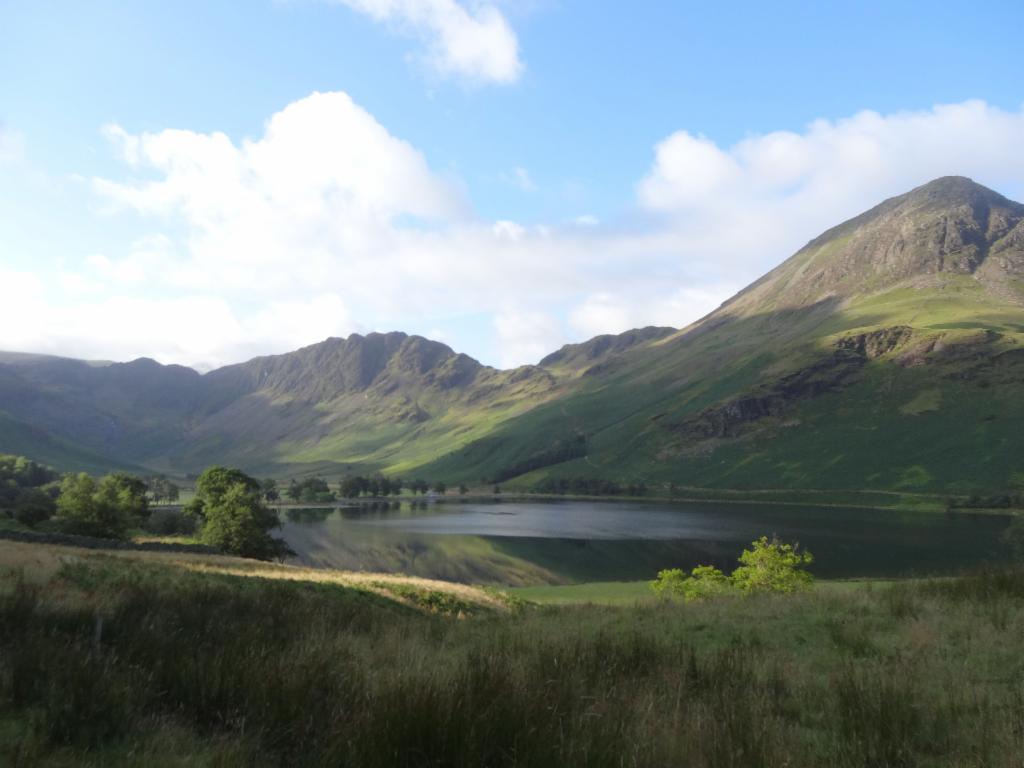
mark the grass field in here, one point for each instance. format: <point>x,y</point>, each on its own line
<point>167,661</point>
<point>596,593</point>
<point>626,593</point>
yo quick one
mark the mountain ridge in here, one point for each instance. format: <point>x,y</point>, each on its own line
<point>857,344</point>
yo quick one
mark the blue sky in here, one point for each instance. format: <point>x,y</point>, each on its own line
<point>554,169</point>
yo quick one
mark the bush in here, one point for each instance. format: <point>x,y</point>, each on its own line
<point>33,506</point>
<point>704,581</point>
<point>772,566</point>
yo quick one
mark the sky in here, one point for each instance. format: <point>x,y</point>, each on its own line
<point>205,181</point>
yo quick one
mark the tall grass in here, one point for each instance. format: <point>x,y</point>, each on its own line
<point>117,663</point>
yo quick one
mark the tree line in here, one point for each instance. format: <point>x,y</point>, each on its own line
<point>227,512</point>
<point>567,449</point>
<point>589,486</point>
<point>317,490</point>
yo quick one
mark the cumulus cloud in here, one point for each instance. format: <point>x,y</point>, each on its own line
<point>327,223</point>
<point>755,202</point>
<point>526,335</point>
<point>602,313</point>
<point>474,43</point>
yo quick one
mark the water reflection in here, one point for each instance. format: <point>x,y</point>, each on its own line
<point>514,542</point>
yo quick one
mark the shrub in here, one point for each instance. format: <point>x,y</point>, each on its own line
<point>32,506</point>
<point>704,581</point>
<point>772,566</point>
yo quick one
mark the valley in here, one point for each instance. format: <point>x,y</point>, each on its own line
<point>885,356</point>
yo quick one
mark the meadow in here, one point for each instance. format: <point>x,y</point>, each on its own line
<point>160,661</point>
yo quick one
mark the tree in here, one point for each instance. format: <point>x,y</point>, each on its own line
<point>463,490</point>
<point>233,517</point>
<point>314,490</point>
<point>18,474</point>
<point>107,508</point>
<point>269,488</point>
<point>162,489</point>
<point>294,491</point>
<point>771,566</point>
<point>32,506</point>
<point>440,487</point>
<point>127,492</point>
<point>351,487</point>
<point>497,490</point>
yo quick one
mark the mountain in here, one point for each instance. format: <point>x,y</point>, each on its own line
<point>380,400</point>
<point>885,354</point>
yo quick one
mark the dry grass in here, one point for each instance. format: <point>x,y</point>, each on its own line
<point>41,562</point>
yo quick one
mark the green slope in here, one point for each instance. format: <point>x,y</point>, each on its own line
<point>22,439</point>
<point>844,369</point>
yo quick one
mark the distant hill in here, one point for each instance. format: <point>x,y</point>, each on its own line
<point>885,354</point>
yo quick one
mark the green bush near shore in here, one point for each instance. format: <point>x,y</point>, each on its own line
<point>116,663</point>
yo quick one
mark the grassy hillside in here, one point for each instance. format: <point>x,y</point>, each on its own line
<point>847,368</point>
<point>118,662</point>
<point>22,439</point>
<point>886,355</point>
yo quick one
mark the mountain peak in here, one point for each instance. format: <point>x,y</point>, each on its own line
<point>949,226</point>
<point>953,191</point>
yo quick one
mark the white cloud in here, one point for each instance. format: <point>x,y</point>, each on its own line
<point>755,202</point>
<point>603,313</point>
<point>201,331</point>
<point>508,230</point>
<point>474,43</point>
<point>520,177</point>
<point>586,220</point>
<point>327,223</point>
<point>526,335</point>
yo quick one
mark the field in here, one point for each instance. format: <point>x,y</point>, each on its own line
<point>631,593</point>
<point>172,660</point>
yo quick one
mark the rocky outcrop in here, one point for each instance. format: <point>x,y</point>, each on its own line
<point>875,344</point>
<point>736,416</point>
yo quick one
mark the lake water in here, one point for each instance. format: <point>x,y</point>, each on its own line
<point>516,543</point>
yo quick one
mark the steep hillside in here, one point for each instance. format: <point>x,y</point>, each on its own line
<point>387,401</point>
<point>885,354</point>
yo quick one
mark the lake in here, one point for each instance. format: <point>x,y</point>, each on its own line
<point>553,542</point>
